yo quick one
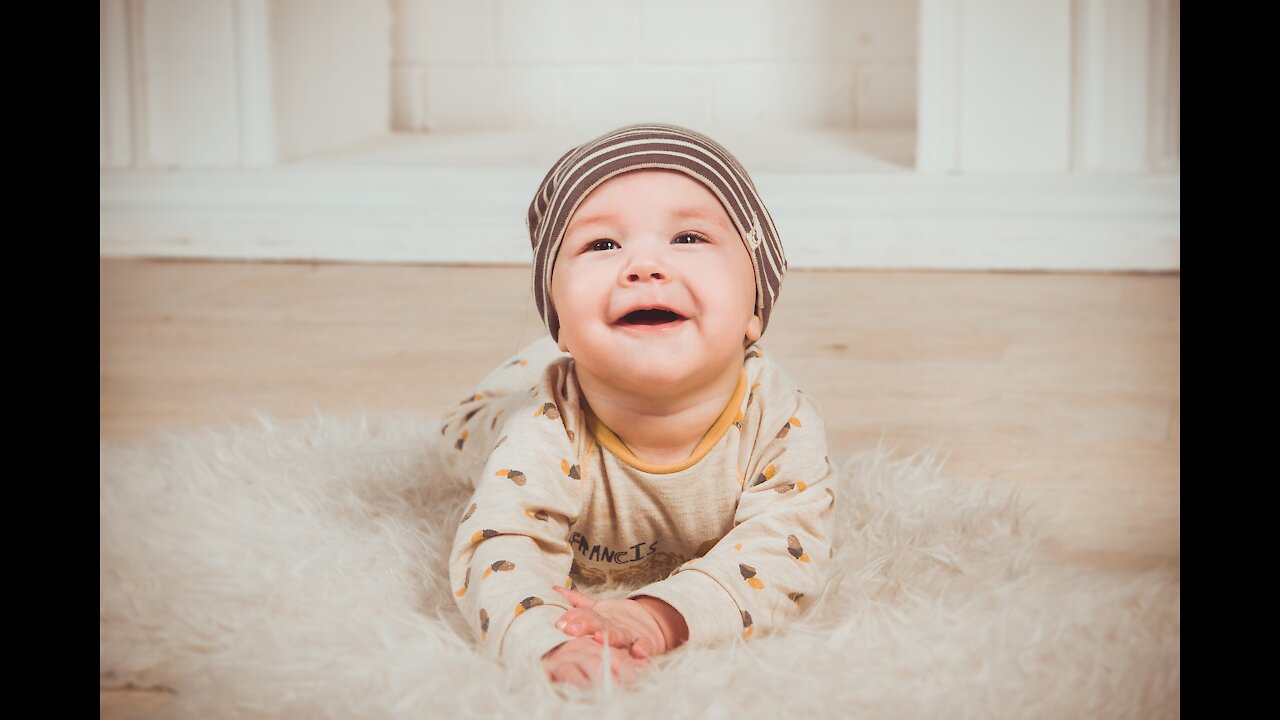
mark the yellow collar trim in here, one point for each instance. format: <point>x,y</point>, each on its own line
<point>614,444</point>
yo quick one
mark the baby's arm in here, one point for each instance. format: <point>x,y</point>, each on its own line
<point>510,547</point>
<point>759,574</point>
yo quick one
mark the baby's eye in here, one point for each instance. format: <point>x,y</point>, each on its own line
<point>596,245</point>
<point>693,239</point>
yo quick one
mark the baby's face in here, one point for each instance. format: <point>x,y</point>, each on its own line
<point>652,283</point>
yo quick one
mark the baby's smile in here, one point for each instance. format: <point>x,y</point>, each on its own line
<point>652,317</point>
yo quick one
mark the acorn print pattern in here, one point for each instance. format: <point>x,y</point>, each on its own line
<point>740,422</point>
<point>529,602</point>
<point>537,515</point>
<point>749,574</point>
<point>550,410</point>
<point>517,361</point>
<point>800,486</point>
<point>795,597</point>
<point>797,552</point>
<point>833,497</point>
<point>514,476</point>
<point>484,624</point>
<point>461,439</point>
<point>571,470</point>
<point>466,583</point>
<point>571,435</point>
<point>747,625</point>
<point>483,535</point>
<point>470,415</point>
<point>768,474</point>
<point>467,516</point>
<point>500,566</point>
<point>493,424</point>
<point>500,441</point>
<point>795,421</point>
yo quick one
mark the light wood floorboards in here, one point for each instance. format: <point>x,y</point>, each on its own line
<point>1065,385</point>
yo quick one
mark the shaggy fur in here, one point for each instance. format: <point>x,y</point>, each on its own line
<point>300,571</point>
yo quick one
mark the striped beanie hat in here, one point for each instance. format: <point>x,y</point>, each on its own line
<point>662,147</point>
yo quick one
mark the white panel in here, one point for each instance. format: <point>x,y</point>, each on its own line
<point>847,29</point>
<point>114,75</point>
<point>102,113</point>
<point>1166,85</point>
<point>886,95</point>
<point>938,96</point>
<point>678,31</point>
<point>1112,51</point>
<point>599,100</point>
<point>1015,75</point>
<point>561,31</point>
<point>806,30</point>
<point>113,90</point>
<point>332,73</point>
<point>489,98</point>
<point>408,98</point>
<point>793,95</point>
<point>257,105</point>
<point>191,92</point>
<point>139,106</point>
<point>444,31</point>
<point>875,29</point>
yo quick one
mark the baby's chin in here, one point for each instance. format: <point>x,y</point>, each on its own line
<point>657,372</point>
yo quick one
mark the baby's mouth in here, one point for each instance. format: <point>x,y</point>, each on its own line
<point>650,317</point>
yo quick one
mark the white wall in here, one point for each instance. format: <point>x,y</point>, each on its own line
<point>1048,86</point>
<point>589,65</point>
<point>234,83</point>
<point>1046,132</point>
<point>330,71</point>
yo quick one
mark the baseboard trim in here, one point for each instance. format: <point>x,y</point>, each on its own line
<point>475,215</point>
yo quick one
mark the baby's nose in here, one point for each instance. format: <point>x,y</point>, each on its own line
<point>643,270</point>
<point>655,274</point>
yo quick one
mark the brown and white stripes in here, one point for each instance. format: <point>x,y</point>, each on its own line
<point>658,146</point>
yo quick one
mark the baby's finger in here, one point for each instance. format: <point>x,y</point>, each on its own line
<point>627,671</point>
<point>642,648</point>
<point>617,637</point>
<point>575,598</point>
<point>572,674</point>
<point>577,623</point>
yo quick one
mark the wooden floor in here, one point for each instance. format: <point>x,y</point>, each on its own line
<point>1066,385</point>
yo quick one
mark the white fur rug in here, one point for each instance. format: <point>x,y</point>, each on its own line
<point>299,571</point>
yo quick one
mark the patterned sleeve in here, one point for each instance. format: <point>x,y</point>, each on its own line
<point>757,576</point>
<point>510,547</point>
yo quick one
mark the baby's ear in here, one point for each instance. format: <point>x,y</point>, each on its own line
<point>753,329</point>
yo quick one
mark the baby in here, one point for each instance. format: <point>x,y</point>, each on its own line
<point>663,452</point>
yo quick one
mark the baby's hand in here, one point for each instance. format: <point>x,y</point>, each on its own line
<point>581,660</point>
<point>628,622</point>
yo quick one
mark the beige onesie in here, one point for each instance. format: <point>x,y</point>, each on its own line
<point>735,538</point>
